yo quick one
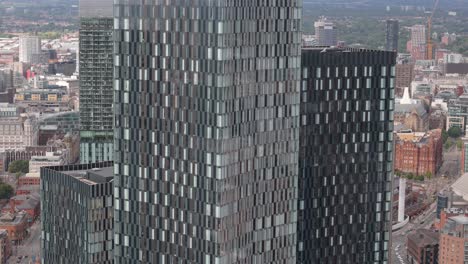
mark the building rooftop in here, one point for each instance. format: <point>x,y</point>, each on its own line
<point>460,219</point>
<point>460,187</point>
<point>417,137</point>
<point>424,237</point>
<point>93,176</point>
<point>12,219</point>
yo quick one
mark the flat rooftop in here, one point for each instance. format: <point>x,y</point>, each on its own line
<point>93,176</point>
<point>460,219</point>
<point>423,237</point>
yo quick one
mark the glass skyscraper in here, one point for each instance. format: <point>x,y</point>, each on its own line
<point>206,131</point>
<point>96,69</point>
<point>346,156</point>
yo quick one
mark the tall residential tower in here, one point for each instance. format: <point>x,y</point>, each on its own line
<point>29,49</point>
<point>346,153</point>
<point>392,33</point>
<point>207,131</point>
<point>96,68</point>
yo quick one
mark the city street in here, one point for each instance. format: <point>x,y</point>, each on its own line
<point>29,250</point>
<point>448,173</point>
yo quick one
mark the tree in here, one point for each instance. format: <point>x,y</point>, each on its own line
<point>419,178</point>
<point>454,132</point>
<point>6,191</point>
<point>459,144</point>
<point>21,166</point>
<point>428,176</point>
<point>444,136</point>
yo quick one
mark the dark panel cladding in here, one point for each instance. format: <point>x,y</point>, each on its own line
<point>77,214</point>
<point>346,156</point>
<point>206,131</point>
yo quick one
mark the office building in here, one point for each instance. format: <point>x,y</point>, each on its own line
<point>17,132</point>
<point>392,33</point>
<point>29,49</point>
<point>77,213</point>
<point>458,112</point>
<point>423,247</point>
<point>206,131</point>
<point>326,33</point>
<point>96,69</point>
<point>345,160</point>
<point>453,238</point>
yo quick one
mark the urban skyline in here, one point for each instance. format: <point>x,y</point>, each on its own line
<point>232,131</point>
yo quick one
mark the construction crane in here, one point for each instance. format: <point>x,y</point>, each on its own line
<point>429,43</point>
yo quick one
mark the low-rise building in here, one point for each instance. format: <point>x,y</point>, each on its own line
<point>49,159</point>
<point>423,247</point>
<point>16,224</point>
<point>41,95</point>
<point>418,153</point>
<point>28,203</point>
<point>17,133</point>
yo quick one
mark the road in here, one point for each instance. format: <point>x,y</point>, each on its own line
<point>424,221</point>
<point>31,247</point>
<point>451,165</point>
<point>451,169</point>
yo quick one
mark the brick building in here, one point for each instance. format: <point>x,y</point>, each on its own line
<point>423,247</point>
<point>452,240</point>
<point>403,77</point>
<point>29,203</point>
<point>418,152</point>
<point>16,224</point>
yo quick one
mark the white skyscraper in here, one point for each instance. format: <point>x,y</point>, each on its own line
<point>325,33</point>
<point>29,48</point>
<point>418,35</point>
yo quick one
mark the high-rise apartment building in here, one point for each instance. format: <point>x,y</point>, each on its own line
<point>96,77</point>
<point>392,32</point>
<point>29,49</point>
<point>418,35</point>
<point>346,153</point>
<point>325,33</point>
<point>206,131</point>
<point>77,213</point>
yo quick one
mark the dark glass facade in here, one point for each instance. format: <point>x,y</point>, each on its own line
<point>346,156</point>
<point>392,35</point>
<point>207,131</point>
<point>96,75</point>
<point>77,214</point>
